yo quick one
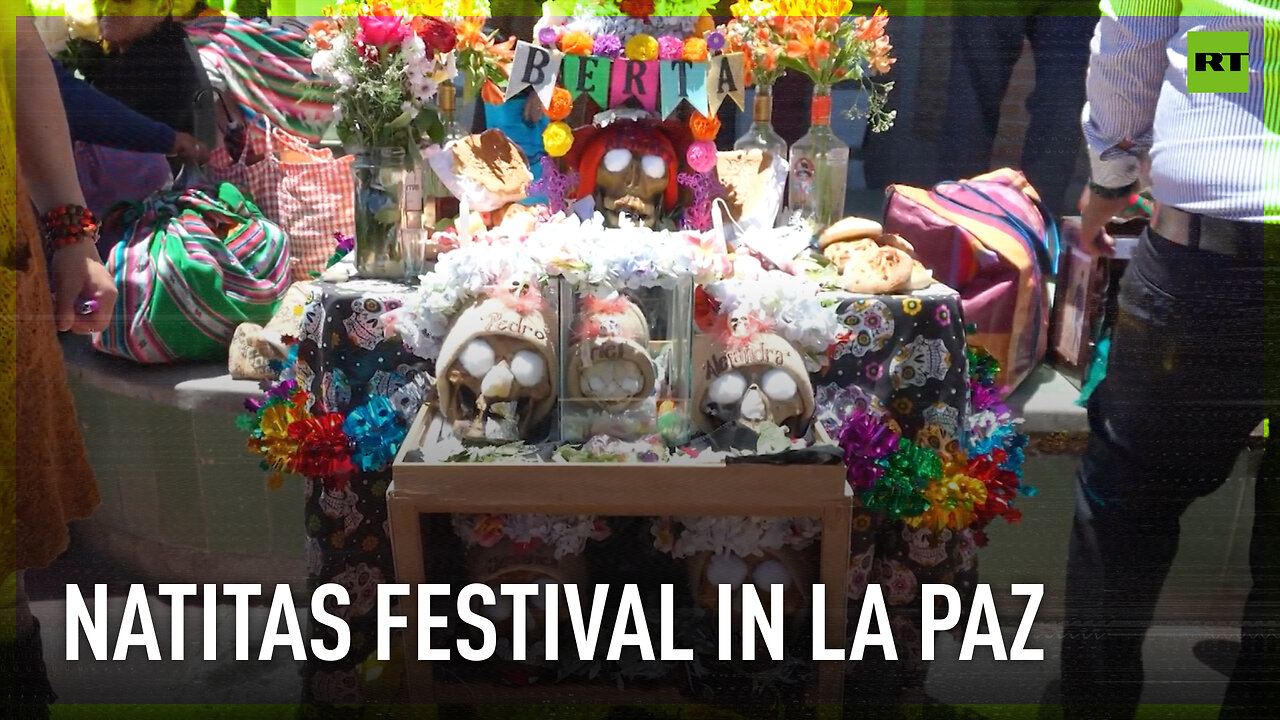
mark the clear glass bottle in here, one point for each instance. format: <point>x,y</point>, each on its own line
<point>440,204</point>
<point>761,135</point>
<point>819,168</point>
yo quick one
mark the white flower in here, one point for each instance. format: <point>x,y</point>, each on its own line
<point>323,62</point>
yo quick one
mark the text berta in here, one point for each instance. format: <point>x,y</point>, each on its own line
<point>758,626</point>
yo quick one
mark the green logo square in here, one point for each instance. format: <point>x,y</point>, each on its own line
<point>1218,61</point>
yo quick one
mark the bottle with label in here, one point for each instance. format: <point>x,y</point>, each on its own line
<point>440,204</point>
<point>819,168</point>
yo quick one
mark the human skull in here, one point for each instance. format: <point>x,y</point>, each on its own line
<point>497,375</point>
<point>629,169</point>
<point>610,364</point>
<point>753,383</point>
<point>784,566</point>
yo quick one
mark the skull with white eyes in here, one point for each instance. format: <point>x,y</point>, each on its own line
<point>752,382</point>
<point>630,171</point>
<point>609,362</point>
<point>497,373</point>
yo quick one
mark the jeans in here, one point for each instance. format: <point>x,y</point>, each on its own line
<point>984,51</point>
<point>1184,388</point>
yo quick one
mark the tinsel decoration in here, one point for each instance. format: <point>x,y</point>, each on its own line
<point>376,433</point>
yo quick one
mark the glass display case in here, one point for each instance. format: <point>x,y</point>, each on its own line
<point>626,362</point>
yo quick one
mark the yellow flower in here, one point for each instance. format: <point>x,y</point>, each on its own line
<point>557,138</point>
<point>642,47</point>
<point>911,306</point>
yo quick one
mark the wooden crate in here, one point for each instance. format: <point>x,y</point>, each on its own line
<point>609,489</point>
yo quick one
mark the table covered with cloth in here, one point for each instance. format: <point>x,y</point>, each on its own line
<point>902,355</point>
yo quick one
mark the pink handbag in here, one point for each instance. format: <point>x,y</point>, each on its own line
<point>992,240</point>
<point>308,192</point>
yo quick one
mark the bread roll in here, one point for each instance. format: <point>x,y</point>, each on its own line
<point>841,254</point>
<point>850,228</point>
<point>896,241</point>
<point>882,271</point>
<point>921,277</point>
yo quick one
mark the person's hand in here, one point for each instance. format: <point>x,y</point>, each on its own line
<point>532,109</point>
<point>1095,213</point>
<point>78,274</point>
<point>186,147</point>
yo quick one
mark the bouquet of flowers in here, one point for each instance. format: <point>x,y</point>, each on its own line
<point>388,62</point>
<point>817,39</point>
<point>751,33</point>
<point>829,50</point>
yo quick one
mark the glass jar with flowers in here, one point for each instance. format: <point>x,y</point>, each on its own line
<point>831,49</point>
<point>387,62</point>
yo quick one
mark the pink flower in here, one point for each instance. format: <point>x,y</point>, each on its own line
<point>382,31</point>
<point>670,48</point>
<point>701,156</point>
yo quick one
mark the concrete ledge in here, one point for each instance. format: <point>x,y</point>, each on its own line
<point>1046,401</point>
<point>195,386</point>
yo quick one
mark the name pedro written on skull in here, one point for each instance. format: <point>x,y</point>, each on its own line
<point>751,621</point>
<point>755,354</point>
<point>500,323</point>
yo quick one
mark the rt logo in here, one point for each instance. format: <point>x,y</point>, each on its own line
<point>1219,61</point>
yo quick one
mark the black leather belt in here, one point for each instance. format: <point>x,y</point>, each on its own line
<point>1211,234</point>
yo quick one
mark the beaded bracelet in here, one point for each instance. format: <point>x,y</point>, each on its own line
<point>68,225</point>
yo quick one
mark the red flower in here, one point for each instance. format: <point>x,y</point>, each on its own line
<point>438,35</point>
<point>382,31</point>
<point>637,8</point>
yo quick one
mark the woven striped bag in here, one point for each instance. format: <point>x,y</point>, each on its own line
<point>192,266</point>
<point>990,238</point>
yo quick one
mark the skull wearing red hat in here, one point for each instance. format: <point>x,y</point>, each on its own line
<point>630,170</point>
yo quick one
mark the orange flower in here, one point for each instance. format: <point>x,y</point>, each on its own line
<point>810,48</point>
<point>381,9</point>
<point>576,42</point>
<point>703,127</point>
<point>561,104</point>
<point>878,58</point>
<point>871,29</point>
<point>491,93</point>
<point>695,50</point>
<point>471,33</point>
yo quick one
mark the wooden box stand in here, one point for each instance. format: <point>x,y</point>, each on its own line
<point>620,490</point>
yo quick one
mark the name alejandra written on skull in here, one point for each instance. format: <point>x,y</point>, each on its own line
<point>756,632</point>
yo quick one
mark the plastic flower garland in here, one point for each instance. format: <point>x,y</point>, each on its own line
<point>773,301</point>
<point>567,534</point>
<point>942,490</point>
<point>626,19</point>
<point>685,536</point>
<point>591,258</point>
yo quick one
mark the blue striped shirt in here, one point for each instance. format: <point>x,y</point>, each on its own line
<point>1210,153</point>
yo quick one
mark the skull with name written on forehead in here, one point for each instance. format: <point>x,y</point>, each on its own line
<point>609,363</point>
<point>497,371</point>
<point>752,381</point>
<point>630,170</point>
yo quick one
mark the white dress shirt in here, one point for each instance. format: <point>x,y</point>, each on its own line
<point>1214,154</point>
